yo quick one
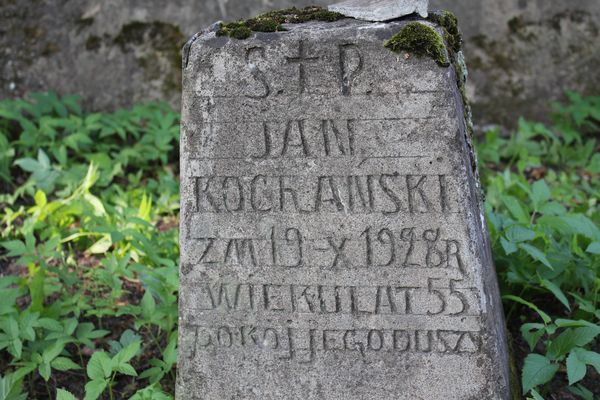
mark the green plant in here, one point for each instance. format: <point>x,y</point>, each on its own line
<point>89,233</point>
<point>542,189</point>
<point>88,226</point>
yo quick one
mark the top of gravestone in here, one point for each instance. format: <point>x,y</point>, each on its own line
<point>380,10</point>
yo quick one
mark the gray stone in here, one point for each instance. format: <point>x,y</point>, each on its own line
<point>333,244</point>
<point>521,53</point>
<point>380,10</point>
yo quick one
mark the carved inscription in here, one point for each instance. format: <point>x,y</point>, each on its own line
<point>451,299</point>
<point>312,235</point>
<point>390,193</point>
<point>304,345</point>
<point>405,247</point>
<point>301,60</point>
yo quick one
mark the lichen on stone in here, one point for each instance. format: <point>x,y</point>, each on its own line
<point>421,40</point>
<point>273,21</point>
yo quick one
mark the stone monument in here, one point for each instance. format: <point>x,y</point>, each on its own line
<point>333,244</point>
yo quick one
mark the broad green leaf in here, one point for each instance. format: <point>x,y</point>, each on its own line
<point>128,353</point>
<point>540,192</point>
<point>595,164</point>
<point>537,370</point>
<point>535,395</point>
<point>62,394</point>
<point>555,289</point>
<point>64,364</point>
<point>44,370</point>
<point>96,204</point>
<point>576,368</point>
<point>582,392</point>
<point>11,327</point>
<point>586,334</point>
<point>517,233</point>
<point>101,246</point>
<point>100,366</point>
<point>14,247</point>
<point>50,324</point>
<point>170,353</point>
<point>53,351</point>
<point>589,357</point>
<point>553,208</point>
<point>509,247</point>
<point>593,248</point>
<point>28,164</point>
<point>94,388</point>
<point>43,159</point>
<point>126,369</point>
<point>532,333</point>
<point>536,254</point>
<point>148,305</point>
<point>545,317</point>
<point>515,208</point>
<point>571,338</point>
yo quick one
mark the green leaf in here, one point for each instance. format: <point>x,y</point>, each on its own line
<point>517,233</point>
<point>536,254</point>
<point>593,248</point>
<point>553,208</point>
<point>576,368</point>
<point>28,164</point>
<point>50,324</point>
<point>571,338</point>
<point>64,364</point>
<point>514,206</point>
<point>589,357</point>
<point>509,247</point>
<point>582,392</point>
<point>170,353</point>
<point>555,289</point>
<point>537,370</point>
<point>535,395</point>
<point>126,369</point>
<point>540,192</point>
<point>94,388</point>
<point>545,317</point>
<point>43,159</point>
<point>148,305</point>
<point>127,353</point>
<point>53,351</point>
<point>532,333</point>
<point>99,366</point>
<point>44,370</point>
<point>11,327</point>
<point>62,394</point>
<point>14,247</point>
<point>101,246</point>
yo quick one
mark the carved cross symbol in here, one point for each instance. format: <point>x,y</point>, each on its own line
<point>300,60</point>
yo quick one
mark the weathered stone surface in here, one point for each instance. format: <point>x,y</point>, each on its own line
<point>380,10</point>
<point>332,239</point>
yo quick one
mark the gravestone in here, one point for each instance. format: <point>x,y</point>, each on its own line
<point>333,244</point>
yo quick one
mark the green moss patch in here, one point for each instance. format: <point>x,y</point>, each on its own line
<point>273,21</point>
<point>421,40</point>
<point>449,23</point>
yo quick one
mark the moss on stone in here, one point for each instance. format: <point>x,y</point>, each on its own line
<point>237,30</point>
<point>449,22</point>
<point>420,40</point>
<point>273,21</point>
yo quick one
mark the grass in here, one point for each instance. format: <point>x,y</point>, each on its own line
<point>89,239</point>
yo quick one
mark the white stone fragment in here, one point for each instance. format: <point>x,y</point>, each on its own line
<point>380,10</point>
